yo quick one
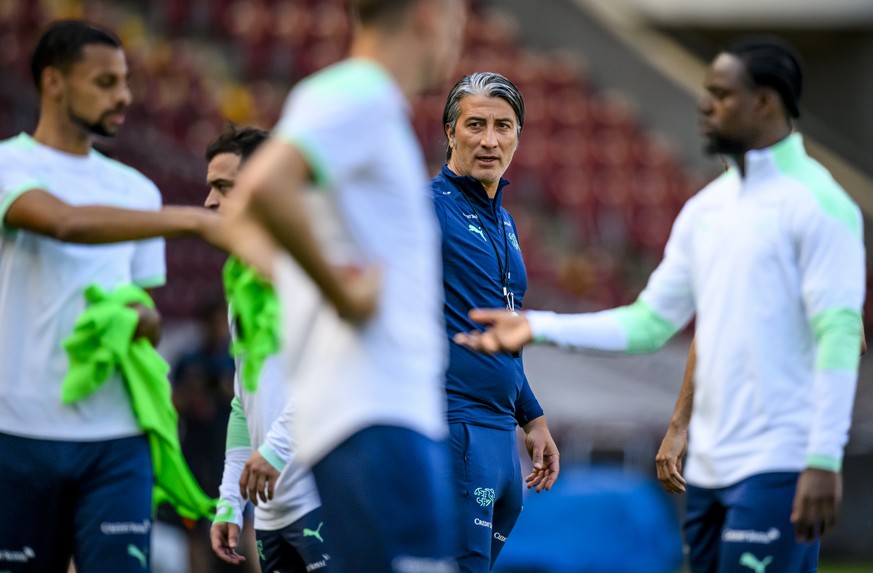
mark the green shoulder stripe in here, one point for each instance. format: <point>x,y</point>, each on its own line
<point>21,141</point>
<point>358,76</point>
<point>832,198</point>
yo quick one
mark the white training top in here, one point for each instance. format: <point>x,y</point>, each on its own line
<point>352,124</point>
<point>773,264</point>
<point>269,415</point>
<point>42,282</point>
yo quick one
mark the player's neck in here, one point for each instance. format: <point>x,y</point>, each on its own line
<point>767,138</point>
<point>61,135</point>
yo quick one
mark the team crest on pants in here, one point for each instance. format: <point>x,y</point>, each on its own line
<point>484,496</point>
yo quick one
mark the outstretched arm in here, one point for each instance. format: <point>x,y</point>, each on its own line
<point>39,211</point>
<point>630,329</point>
<point>663,308</point>
<point>669,457</point>
<point>270,189</point>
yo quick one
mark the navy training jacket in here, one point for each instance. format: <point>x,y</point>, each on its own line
<point>482,389</point>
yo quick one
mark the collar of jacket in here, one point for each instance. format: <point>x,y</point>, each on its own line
<point>474,191</point>
<point>782,157</point>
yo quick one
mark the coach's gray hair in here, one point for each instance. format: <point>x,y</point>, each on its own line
<point>488,84</point>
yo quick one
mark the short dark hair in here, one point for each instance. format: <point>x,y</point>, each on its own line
<point>771,62</point>
<point>60,46</point>
<point>240,141</point>
<point>487,84</point>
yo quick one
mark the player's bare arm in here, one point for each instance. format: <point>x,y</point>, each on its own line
<point>668,460</point>
<point>271,188</point>
<point>41,212</point>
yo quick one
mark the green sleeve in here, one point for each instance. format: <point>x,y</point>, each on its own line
<point>646,330</point>
<point>237,429</point>
<point>838,334</point>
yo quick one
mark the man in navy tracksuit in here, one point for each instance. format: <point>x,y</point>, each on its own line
<point>488,395</point>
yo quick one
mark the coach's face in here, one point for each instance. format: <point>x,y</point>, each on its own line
<point>221,177</point>
<point>94,91</point>
<point>484,139</point>
<point>729,111</point>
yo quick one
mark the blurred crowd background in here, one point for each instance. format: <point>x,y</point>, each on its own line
<point>608,155</point>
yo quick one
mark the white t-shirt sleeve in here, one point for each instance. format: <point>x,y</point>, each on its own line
<point>14,181</point>
<point>149,266</point>
<point>326,125</point>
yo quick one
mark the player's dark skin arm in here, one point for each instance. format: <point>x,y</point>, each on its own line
<point>819,492</point>
<point>819,495</point>
<point>816,503</point>
<point>41,212</point>
<point>669,457</point>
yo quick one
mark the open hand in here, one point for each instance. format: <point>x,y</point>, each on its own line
<point>225,539</point>
<point>507,331</point>
<point>668,460</point>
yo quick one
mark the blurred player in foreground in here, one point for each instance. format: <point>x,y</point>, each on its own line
<point>259,464</point>
<point>770,258</point>
<point>370,414</point>
<point>75,479</point>
<point>488,396</point>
